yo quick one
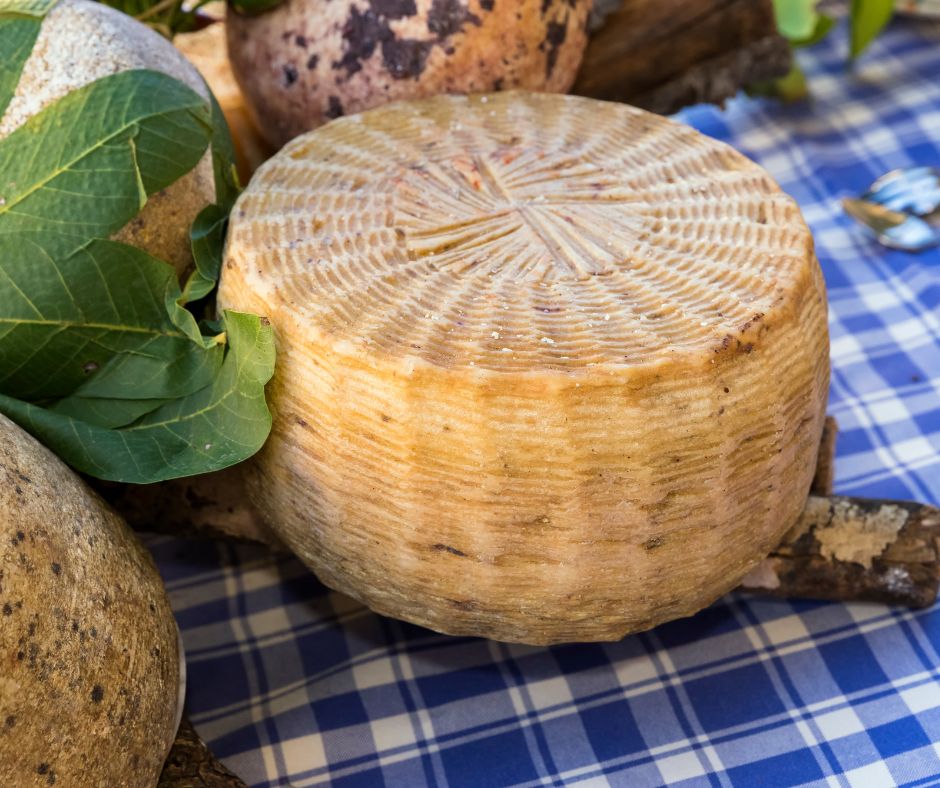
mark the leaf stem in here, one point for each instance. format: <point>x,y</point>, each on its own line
<point>157,9</point>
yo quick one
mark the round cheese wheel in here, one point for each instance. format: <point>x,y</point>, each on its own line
<point>81,41</point>
<point>89,688</point>
<point>550,369</point>
<point>308,61</point>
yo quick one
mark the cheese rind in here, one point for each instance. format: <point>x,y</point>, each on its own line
<point>549,369</point>
<point>306,61</point>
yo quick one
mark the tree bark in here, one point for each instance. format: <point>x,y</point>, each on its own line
<point>190,764</point>
<point>665,54</point>
<point>856,549</point>
<point>209,506</point>
<point>826,459</point>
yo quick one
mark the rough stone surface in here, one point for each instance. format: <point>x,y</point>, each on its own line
<point>81,41</point>
<point>89,660</point>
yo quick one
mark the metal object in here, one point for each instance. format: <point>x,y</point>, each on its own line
<point>926,8</point>
<point>901,209</point>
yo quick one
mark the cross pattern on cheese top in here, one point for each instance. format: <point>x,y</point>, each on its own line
<point>524,230</point>
<point>518,213</point>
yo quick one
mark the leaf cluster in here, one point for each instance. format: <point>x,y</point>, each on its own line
<point>803,24</point>
<point>102,354</point>
<point>167,17</point>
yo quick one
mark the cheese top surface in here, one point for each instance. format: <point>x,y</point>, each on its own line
<point>516,231</point>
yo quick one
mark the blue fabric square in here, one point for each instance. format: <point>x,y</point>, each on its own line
<point>503,759</point>
<point>454,685</point>
<point>781,771</point>
<point>852,664</point>
<point>322,649</point>
<point>239,739</point>
<point>339,711</point>
<point>612,730</point>
<point>711,621</point>
<point>583,656</point>
<point>413,771</point>
<point>207,679</point>
<point>733,697</point>
<point>370,778</point>
<point>898,736</point>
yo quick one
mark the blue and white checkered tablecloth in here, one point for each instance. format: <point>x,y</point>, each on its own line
<point>295,685</point>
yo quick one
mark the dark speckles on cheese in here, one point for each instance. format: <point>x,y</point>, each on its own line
<point>362,33</point>
<point>335,109</point>
<point>554,38</point>
<point>448,17</point>
<point>405,57</point>
<point>394,9</point>
<point>369,52</point>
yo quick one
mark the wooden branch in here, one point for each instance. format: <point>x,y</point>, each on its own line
<point>665,54</point>
<point>856,549</point>
<point>826,459</point>
<point>191,764</point>
<point>853,549</point>
<point>210,506</point>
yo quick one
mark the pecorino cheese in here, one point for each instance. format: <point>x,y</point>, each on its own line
<point>550,369</point>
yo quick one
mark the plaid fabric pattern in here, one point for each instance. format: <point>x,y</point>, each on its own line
<point>295,685</point>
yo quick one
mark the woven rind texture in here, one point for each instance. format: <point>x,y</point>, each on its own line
<point>549,369</point>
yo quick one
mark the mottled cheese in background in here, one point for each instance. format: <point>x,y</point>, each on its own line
<point>309,61</point>
<point>81,41</point>
<point>89,684</point>
<point>549,369</point>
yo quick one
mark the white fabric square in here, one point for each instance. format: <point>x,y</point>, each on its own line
<point>635,670</point>
<point>784,629</point>
<point>683,766</point>
<point>373,673</point>
<point>550,692</point>
<point>269,622</point>
<point>870,776</point>
<point>839,723</point>
<point>908,330</point>
<point>914,449</point>
<point>303,753</point>
<point>845,347</point>
<point>391,732</point>
<point>887,410</point>
<point>926,696</point>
